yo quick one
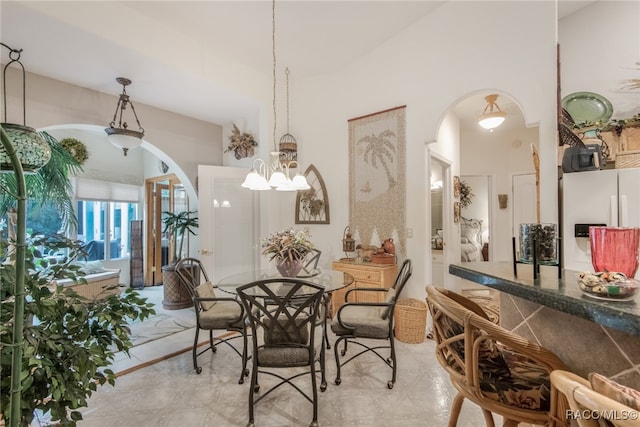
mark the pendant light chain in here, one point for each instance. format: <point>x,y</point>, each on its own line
<point>273,43</point>
<point>275,174</point>
<point>286,71</point>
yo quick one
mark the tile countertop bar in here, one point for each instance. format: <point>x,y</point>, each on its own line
<point>560,294</point>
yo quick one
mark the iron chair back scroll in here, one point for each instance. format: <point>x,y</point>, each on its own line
<point>371,321</point>
<point>285,315</point>
<point>213,313</point>
<point>312,263</point>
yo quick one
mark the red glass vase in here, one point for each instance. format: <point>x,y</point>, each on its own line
<point>615,249</point>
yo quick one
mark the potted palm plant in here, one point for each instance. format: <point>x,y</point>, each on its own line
<point>177,225</point>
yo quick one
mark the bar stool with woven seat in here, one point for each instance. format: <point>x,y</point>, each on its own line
<point>499,371</point>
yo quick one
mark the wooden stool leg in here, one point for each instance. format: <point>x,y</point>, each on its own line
<point>456,406</point>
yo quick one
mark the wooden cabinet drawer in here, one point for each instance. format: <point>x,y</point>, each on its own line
<point>367,276</point>
<point>364,276</point>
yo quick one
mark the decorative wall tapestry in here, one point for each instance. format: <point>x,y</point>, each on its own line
<point>377,177</point>
<point>312,206</point>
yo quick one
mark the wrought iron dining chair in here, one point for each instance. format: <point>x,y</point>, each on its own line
<point>213,312</point>
<point>497,370</point>
<point>355,321</point>
<point>312,263</point>
<point>286,317</point>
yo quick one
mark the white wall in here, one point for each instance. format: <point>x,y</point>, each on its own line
<point>429,67</point>
<point>600,42</point>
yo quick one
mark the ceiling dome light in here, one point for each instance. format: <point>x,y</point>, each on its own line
<point>492,116</point>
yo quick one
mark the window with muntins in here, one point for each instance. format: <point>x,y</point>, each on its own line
<point>105,211</point>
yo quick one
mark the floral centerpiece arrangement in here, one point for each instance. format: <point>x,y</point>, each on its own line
<point>288,248</point>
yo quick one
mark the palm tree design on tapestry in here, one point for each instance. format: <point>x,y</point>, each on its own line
<point>380,149</point>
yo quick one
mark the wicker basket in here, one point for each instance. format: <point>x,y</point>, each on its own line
<point>410,318</point>
<point>627,159</point>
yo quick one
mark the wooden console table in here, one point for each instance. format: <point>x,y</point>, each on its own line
<point>366,275</point>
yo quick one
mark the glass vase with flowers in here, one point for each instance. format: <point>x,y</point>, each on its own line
<point>288,248</point>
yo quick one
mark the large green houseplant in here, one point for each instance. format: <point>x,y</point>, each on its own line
<point>55,346</point>
<point>68,341</point>
<point>177,225</point>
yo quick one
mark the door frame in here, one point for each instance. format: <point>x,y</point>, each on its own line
<point>207,175</point>
<point>447,214</point>
<point>153,227</point>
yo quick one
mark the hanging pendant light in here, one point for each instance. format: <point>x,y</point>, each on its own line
<point>31,148</point>
<point>492,116</point>
<point>265,176</point>
<point>288,144</point>
<point>122,136</point>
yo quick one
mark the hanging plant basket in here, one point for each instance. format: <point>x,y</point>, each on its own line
<point>76,148</point>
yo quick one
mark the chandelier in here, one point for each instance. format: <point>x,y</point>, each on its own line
<point>276,175</point>
<point>492,116</point>
<point>122,136</point>
<point>32,150</point>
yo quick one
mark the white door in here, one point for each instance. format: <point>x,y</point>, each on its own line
<point>229,226</point>
<point>629,197</point>
<point>439,199</point>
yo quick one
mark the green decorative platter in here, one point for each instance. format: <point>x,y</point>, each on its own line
<point>587,107</point>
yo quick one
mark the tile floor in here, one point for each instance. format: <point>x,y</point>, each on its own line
<point>170,393</point>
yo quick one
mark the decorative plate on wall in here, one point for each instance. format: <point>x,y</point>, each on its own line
<point>587,107</point>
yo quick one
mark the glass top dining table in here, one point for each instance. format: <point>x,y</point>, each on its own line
<point>330,280</point>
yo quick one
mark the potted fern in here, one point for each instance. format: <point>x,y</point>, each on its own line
<point>177,225</point>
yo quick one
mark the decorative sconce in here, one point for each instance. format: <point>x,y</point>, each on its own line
<point>348,242</point>
<point>502,201</point>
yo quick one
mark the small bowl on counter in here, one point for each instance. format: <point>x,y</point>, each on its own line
<point>608,285</point>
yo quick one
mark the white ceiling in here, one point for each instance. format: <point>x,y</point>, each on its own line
<point>90,43</point>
